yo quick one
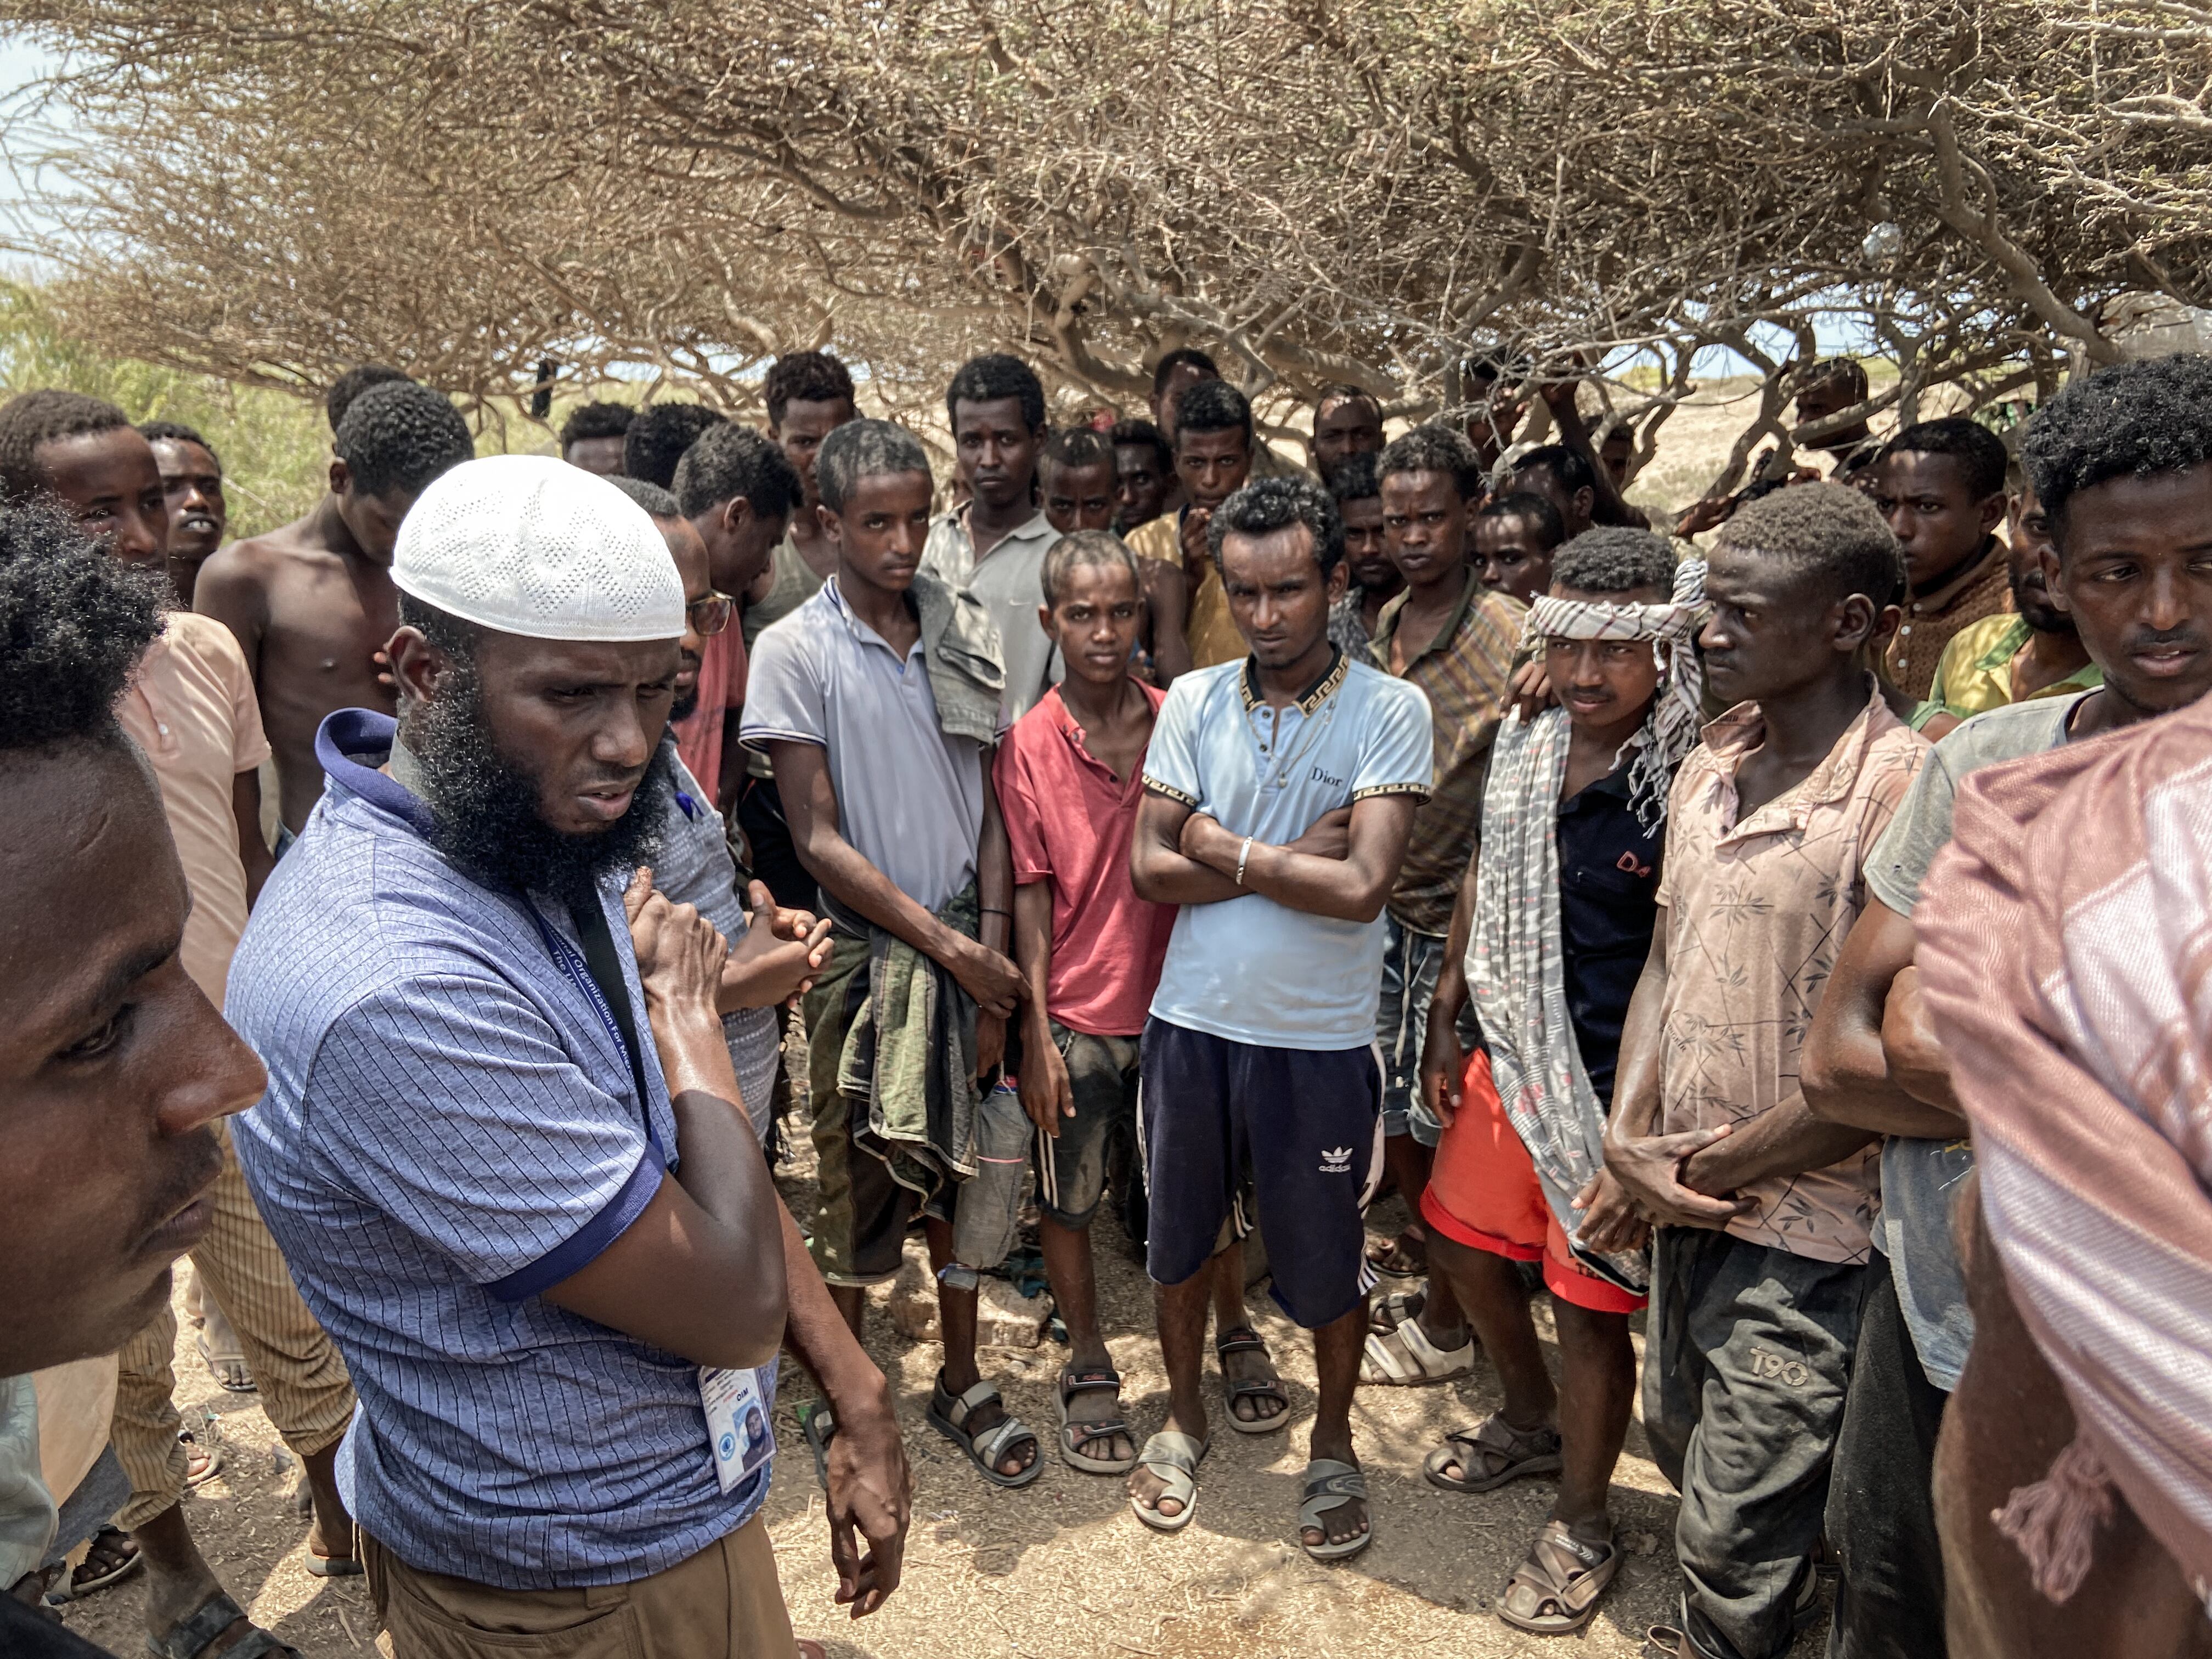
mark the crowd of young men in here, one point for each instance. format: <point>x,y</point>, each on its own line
<point>1429,821</point>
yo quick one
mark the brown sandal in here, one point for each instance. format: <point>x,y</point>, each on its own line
<point>1555,1589</point>
<point>1512,1453</point>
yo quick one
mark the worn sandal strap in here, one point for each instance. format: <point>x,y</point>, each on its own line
<point>1171,1448</point>
<point>1240,1338</point>
<point>1495,1434</point>
<point>1082,1382</point>
<point>1327,1477</point>
<point>966,1406</point>
<point>1011,1432</point>
<point>189,1637</point>
<point>1089,1434</point>
<point>1565,1559</point>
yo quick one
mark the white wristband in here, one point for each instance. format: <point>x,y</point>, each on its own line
<point>1244,853</point>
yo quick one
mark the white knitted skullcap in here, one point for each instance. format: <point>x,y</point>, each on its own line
<point>528,544</point>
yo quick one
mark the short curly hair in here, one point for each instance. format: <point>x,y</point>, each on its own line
<point>1435,448</point>
<point>400,436</point>
<point>1615,559</point>
<point>727,461</point>
<point>990,377</point>
<point>2130,421</point>
<point>1077,447</point>
<point>1570,466</point>
<point>1214,406</point>
<point>33,418</point>
<point>1980,452</point>
<point>1343,392</point>
<point>651,497</point>
<point>657,438</point>
<point>1267,505</point>
<point>863,449</point>
<point>1827,534</point>
<point>176,432</point>
<point>804,377</point>
<point>1135,433</point>
<point>73,624</point>
<point>595,420</point>
<point>1181,357</point>
<point>1358,479</point>
<point>1532,508</point>
<point>350,384</point>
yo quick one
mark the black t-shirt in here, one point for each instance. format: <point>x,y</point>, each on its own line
<point>26,1633</point>
<point>1608,905</point>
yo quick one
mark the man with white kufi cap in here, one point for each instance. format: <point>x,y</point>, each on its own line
<point>502,1144</point>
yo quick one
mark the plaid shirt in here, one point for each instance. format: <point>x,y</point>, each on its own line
<point>1466,672</point>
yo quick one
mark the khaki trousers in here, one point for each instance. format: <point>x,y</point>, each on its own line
<point>723,1603</point>
<point>303,1383</point>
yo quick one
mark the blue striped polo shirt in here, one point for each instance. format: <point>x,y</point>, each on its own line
<point>450,1128</point>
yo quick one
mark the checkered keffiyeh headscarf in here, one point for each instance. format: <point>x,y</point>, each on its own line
<point>1678,714</point>
<point>2065,950</point>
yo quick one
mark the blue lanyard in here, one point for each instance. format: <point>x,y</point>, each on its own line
<point>579,975</point>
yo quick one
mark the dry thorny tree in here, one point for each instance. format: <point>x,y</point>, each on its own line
<point>1315,190</point>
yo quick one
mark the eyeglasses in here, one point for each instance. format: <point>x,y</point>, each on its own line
<point>711,615</point>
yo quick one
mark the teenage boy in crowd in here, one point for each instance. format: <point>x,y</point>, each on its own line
<point>1515,538</point>
<point>1346,421</point>
<point>1455,639</point>
<point>190,709</point>
<point>1763,1211</point>
<point>739,493</point>
<point>592,437</point>
<point>878,700</point>
<point>2123,455</point>
<point>993,544</point>
<point>1213,440</point>
<point>1941,486</point>
<point>809,395</point>
<point>1280,792</point>
<point>1375,581</point>
<point>1069,779</point>
<point>113,1066</point>
<point>192,478</point>
<point>1552,926</point>
<point>312,604</point>
<point>1144,474</point>
<point>1076,477</point>
<point>2033,651</point>
<point>1172,379</point>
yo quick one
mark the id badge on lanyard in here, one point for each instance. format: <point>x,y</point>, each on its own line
<point>737,1405</point>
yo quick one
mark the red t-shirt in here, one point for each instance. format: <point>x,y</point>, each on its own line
<point>722,688</point>
<point>1069,820</point>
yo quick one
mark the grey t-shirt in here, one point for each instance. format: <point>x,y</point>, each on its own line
<point>1921,1178</point>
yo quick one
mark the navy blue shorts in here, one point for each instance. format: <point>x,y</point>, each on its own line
<point>1290,1139</point>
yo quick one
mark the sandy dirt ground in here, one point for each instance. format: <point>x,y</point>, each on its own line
<point>1060,1569</point>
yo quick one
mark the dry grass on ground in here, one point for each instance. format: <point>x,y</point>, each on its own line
<point>1061,1569</point>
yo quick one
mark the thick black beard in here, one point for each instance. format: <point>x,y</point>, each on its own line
<point>684,708</point>
<point>484,808</point>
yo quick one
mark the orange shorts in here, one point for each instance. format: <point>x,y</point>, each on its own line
<point>1483,1193</point>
